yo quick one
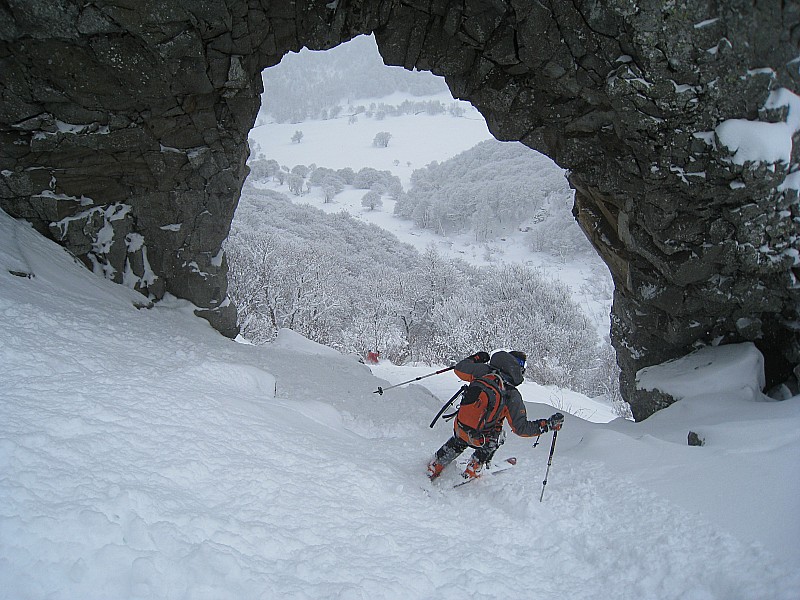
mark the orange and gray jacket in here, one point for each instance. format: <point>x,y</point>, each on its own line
<point>514,408</point>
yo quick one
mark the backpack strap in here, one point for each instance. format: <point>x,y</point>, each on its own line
<point>495,382</point>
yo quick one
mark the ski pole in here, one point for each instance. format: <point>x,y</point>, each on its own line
<point>549,462</point>
<point>380,390</point>
<point>447,404</point>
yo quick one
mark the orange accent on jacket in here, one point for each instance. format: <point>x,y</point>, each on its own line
<point>513,410</point>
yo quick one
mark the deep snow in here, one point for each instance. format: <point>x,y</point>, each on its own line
<point>145,456</point>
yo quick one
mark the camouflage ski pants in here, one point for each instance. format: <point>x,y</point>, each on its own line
<point>453,447</point>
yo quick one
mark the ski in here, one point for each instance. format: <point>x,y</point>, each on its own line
<point>511,462</point>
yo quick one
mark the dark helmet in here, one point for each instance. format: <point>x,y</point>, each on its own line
<point>521,358</point>
<point>509,365</point>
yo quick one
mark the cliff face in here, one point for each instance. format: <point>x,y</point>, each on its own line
<point>123,135</point>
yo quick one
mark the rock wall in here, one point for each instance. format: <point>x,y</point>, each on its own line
<point>123,131</point>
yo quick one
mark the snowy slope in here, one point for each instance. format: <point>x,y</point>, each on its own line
<point>145,456</point>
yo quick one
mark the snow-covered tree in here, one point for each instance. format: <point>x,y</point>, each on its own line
<point>261,169</point>
<point>347,175</point>
<point>371,200</point>
<point>272,167</point>
<point>258,170</point>
<point>254,147</point>
<point>368,178</point>
<point>301,170</point>
<point>381,139</point>
<point>491,189</point>
<point>375,323</point>
<point>295,183</point>
<point>252,274</point>
<point>457,110</point>
<point>317,176</point>
<point>331,185</point>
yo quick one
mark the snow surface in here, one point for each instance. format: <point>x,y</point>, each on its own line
<point>145,456</point>
<point>712,369</point>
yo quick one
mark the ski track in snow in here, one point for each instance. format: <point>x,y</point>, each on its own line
<point>144,456</point>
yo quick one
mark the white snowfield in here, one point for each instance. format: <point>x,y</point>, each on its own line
<point>142,455</point>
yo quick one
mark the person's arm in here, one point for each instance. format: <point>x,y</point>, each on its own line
<point>473,367</point>
<point>518,418</point>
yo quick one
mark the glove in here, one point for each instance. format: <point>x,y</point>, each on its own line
<point>555,422</point>
<point>480,357</point>
<point>543,428</point>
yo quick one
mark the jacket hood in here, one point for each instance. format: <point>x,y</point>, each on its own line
<point>508,367</point>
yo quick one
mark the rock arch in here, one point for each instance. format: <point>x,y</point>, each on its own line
<point>124,137</point>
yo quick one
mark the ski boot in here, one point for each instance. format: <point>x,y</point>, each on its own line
<point>473,469</point>
<point>435,469</point>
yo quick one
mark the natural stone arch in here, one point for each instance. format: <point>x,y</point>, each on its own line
<point>136,120</point>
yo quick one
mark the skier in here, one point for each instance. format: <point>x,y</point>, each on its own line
<point>510,367</point>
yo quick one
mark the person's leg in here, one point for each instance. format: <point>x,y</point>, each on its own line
<point>445,455</point>
<point>483,455</point>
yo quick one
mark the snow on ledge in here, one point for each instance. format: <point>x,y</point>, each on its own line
<point>756,141</point>
<point>291,340</point>
<point>711,370</point>
<point>762,141</point>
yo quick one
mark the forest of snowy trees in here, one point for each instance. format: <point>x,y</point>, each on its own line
<point>313,85</point>
<point>356,288</point>
<point>491,189</point>
<point>487,191</point>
